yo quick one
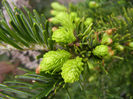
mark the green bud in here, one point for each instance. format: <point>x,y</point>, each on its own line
<point>59,17</point>
<point>93,4</point>
<point>92,78</point>
<point>88,21</point>
<point>110,55</point>
<point>63,35</point>
<point>65,20</point>
<point>53,61</point>
<point>131,44</point>
<point>77,20</point>
<point>119,47</point>
<point>73,15</point>
<point>72,69</point>
<point>106,40</point>
<point>101,51</point>
<point>57,6</point>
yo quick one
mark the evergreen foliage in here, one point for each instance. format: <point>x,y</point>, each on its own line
<point>99,32</point>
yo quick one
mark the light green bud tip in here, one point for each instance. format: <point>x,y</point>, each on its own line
<point>61,16</point>
<point>106,40</point>
<point>101,51</point>
<point>63,35</point>
<point>53,61</point>
<point>131,44</point>
<point>57,6</point>
<point>93,4</point>
<point>73,15</point>
<point>72,69</point>
<point>88,21</point>
<point>119,47</point>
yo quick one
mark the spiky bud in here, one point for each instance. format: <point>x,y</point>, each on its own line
<point>65,20</point>
<point>101,51</point>
<point>63,35</point>
<point>61,16</point>
<point>53,61</point>
<point>72,69</point>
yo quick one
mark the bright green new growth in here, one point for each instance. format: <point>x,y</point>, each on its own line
<point>63,35</point>
<point>93,4</point>
<point>65,32</point>
<point>131,44</point>
<point>57,6</point>
<point>65,20</point>
<point>72,69</point>
<point>101,51</point>
<point>53,61</point>
<point>73,15</point>
<point>88,21</point>
<point>119,47</point>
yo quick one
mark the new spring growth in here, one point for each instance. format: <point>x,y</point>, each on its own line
<point>101,51</point>
<point>93,4</point>
<point>53,61</point>
<point>119,47</point>
<point>130,44</point>
<point>88,21</point>
<point>63,35</point>
<point>72,69</point>
<point>57,6</point>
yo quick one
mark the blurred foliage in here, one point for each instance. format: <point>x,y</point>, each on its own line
<point>42,6</point>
